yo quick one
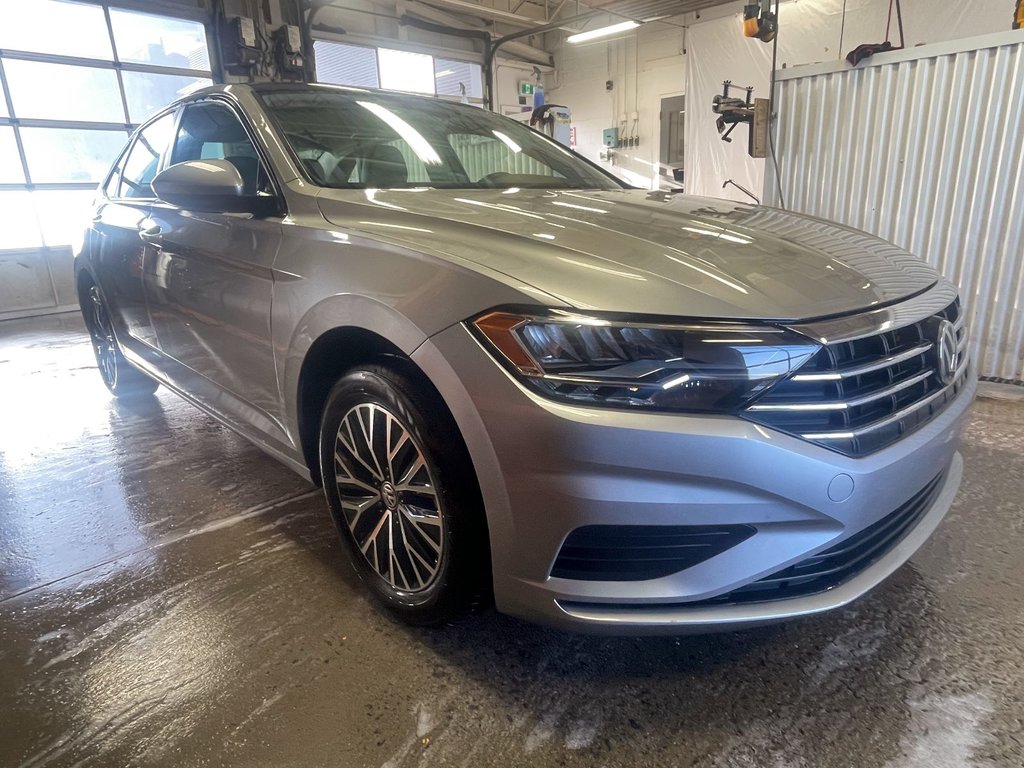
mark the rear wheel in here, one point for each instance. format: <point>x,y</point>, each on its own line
<point>403,495</point>
<point>121,377</point>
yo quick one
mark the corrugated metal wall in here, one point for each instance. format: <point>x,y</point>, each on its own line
<point>480,156</point>
<point>923,148</point>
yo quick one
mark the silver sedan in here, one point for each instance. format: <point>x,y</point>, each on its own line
<point>518,379</point>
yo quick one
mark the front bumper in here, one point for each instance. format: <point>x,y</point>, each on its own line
<point>546,468</point>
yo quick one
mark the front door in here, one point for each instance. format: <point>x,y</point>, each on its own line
<point>210,285</point>
<point>120,222</point>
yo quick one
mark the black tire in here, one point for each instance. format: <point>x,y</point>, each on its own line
<point>384,401</point>
<point>123,379</point>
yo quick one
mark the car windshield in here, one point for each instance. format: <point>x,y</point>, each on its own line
<point>360,140</point>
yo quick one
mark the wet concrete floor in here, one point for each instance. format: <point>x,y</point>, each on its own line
<point>171,596</point>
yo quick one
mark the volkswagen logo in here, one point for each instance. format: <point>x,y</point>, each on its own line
<point>948,357</point>
<point>389,495</point>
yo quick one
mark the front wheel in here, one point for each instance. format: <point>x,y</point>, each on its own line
<point>403,496</point>
<point>122,378</point>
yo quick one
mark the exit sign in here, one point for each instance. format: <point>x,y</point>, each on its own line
<point>525,88</point>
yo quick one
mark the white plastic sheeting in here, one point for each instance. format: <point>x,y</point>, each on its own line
<point>810,32</point>
<point>924,148</point>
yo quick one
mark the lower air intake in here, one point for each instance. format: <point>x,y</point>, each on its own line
<point>640,552</point>
<point>827,570</point>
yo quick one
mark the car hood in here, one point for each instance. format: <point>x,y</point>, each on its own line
<point>634,251</point>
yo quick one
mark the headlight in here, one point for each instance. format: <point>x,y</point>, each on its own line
<point>707,367</point>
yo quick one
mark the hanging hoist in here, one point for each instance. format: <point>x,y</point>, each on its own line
<point>759,21</point>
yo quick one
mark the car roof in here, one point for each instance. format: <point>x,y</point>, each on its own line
<point>258,88</point>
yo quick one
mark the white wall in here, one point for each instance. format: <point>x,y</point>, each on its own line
<point>643,67</point>
<point>650,64</point>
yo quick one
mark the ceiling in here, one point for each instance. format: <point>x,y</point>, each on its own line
<point>643,10</point>
<point>530,13</point>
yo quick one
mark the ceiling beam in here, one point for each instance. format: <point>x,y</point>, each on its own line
<point>507,17</point>
<point>428,12</point>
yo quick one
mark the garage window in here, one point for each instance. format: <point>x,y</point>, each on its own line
<point>368,67</point>
<point>76,79</point>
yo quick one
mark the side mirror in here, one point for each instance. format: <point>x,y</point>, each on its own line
<point>210,186</point>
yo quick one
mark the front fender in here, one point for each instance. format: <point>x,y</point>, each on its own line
<point>346,310</point>
<point>327,280</point>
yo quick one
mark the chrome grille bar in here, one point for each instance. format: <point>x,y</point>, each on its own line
<point>860,370</point>
<point>892,419</point>
<point>844,405</point>
<point>875,380</point>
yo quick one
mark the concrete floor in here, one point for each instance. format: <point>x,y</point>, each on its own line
<point>171,596</point>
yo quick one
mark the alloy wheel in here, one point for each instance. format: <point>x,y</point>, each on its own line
<point>388,498</point>
<point>103,342</point>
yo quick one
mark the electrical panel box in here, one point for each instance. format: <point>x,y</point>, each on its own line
<point>239,47</point>
<point>610,137</point>
<point>291,38</point>
<point>245,30</point>
<point>288,52</point>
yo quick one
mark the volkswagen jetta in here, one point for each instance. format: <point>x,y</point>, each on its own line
<point>516,378</point>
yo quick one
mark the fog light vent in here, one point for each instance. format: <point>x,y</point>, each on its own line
<point>641,552</point>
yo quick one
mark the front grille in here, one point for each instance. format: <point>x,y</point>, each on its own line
<point>827,570</point>
<point>639,552</point>
<point>859,396</point>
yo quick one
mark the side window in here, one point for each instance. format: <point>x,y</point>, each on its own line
<point>211,131</point>
<point>143,160</point>
<point>110,189</point>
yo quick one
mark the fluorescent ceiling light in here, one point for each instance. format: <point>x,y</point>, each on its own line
<point>623,26</point>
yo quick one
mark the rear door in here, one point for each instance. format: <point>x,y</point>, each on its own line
<point>210,286</point>
<point>120,222</point>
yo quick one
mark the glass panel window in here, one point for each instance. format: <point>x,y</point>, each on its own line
<point>405,71</point>
<point>70,154</point>
<point>110,189</point>
<point>53,26</point>
<point>85,93</point>
<point>142,38</point>
<point>63,214</point>
<point>451,76</point>
<point>213,132</point>
<point>10,162</point>
<point>147,92</point>
<point>383,141</point>
<point>143,158</point>
<point>20,229</point>
<point>343,64</point>
<point>495,156</point>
